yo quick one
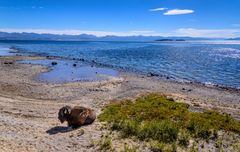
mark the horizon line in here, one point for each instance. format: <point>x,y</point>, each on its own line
<point>182,32</point>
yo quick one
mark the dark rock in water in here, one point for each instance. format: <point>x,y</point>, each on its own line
<point>150,74</point>
<point>8,62</point>
<point>189,90</point>
<point>74,64</point>
<point>54,63</point>
<point>50,57</point>
<point>168,77</point>
<point>183,89</point>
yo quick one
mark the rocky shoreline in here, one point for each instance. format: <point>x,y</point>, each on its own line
<point>21,52</point>
<point>28,108</point>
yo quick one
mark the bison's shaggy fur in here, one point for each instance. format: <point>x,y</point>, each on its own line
<point>76,116</point>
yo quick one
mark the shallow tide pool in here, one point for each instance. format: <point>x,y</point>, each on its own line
<point>65,71</point>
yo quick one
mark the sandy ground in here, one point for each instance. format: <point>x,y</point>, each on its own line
<point>28,108</point>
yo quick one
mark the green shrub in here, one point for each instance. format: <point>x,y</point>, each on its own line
<point>164,131</point>
<point>129,128</point>
<point>155,117</point>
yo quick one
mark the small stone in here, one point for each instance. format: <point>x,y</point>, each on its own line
<point>150,74</point>
<point>8,62</point>
<point>54,63</point>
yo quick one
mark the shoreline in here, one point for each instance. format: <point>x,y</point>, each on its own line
<point>28,108</point>
<point>123,75</point>
<point>160,77</point>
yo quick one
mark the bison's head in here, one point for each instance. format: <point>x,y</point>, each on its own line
<point>64,113</point>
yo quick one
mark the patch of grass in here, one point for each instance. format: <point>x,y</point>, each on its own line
<point>156,146</point>
<point>155,117</point>
<point>105,144</point>
<point>183,138</point>
<point>129,149</point>
<point>164,130</point>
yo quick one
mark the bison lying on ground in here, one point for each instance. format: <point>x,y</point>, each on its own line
<point>76,116</point>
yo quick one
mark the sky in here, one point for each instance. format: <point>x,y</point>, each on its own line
<point>196,18</point>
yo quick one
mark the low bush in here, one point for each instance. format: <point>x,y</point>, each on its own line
<point>155,117</point>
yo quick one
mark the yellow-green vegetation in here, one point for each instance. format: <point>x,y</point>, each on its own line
<point>129,149</point>
<point>105,144</point>
<point>155,117</point>
<point>157,146</point>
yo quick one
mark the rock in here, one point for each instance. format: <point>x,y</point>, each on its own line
<point>150,74</point>
<point>184,89</point>
<point>8,62</point>
<point>54,63</point>
<point>74,64</point>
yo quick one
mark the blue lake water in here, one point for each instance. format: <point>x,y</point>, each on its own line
<point>216,62</point>
<point>64,71</point>
<point>4,51</point>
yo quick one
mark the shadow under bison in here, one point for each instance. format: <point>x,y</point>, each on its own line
<point>58,129</point>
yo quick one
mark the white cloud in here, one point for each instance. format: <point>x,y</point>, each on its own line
<point>24,7</point>
<point>37,7</point>
<point>158,9</point>
<point>178,12</point>
<point>210,33</point>
<point>77,32</point>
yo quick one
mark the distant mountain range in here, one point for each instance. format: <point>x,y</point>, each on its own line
<point>87,37</point>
